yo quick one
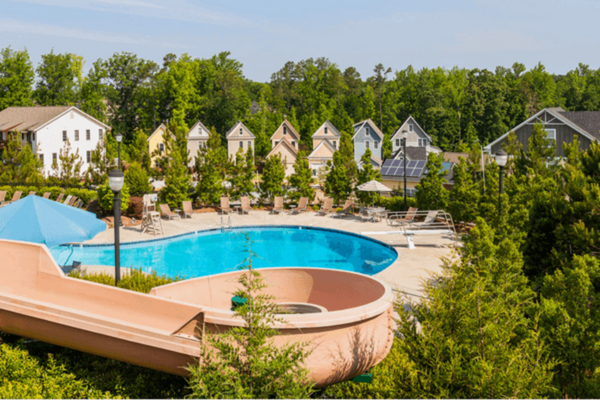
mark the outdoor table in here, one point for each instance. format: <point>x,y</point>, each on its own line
<point>292,208</point>
<point>376,212</point>
<point>237,208</point>
<point>177,211</point>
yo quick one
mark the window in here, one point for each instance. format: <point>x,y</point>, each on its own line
<point>100,134</point>
<point>161,147</point>
<point>551,136</point>
<point>285,130</point>
<point>88,156</point>
<point>375,144</point>
<point>314,172</point>
<point>41,157</point>
<point>334,144</point>
<point>276,143</point>
<point>53,158</point>
<point>241,144</point>
<point>249,145</point>
<point>88,135</point>
<point>64,136</point>
<point>367,145</point>
<point>410,127</point>
<point>76,135</point>
<point>367,131</point>
<point>294,143</point>
<point>33,137</point>
<point>325,130</point>
<point>22,136</point>
<point>241,131</point>
<point>397,142</point>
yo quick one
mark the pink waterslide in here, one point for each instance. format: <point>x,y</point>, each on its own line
<point>351,330</point>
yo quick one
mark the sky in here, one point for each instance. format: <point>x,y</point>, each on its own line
<point>265,34</point>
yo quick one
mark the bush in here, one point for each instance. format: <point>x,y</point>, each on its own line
<point>137,180</point>
<point>316,207</point>
<point>84,194</point>
<point>395,203</point>
<point>106,197</point>
<point>136,280</point>
<point>55,191</point>
<point>136,207</point>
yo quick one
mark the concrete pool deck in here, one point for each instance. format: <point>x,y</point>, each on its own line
<point>405,275</point>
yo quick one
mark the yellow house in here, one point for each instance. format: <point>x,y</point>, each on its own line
<point>156,142</point>
<point>326,140</point>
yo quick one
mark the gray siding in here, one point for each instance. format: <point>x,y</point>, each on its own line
<point>564,135</point>
<point>360,143</point>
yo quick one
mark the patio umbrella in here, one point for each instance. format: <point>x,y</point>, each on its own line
<point>373,186</point>
<point>35,219</point>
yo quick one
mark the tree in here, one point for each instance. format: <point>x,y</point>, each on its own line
<point>243,174</point>
<point>19,164</point>
<point>337,183</point>
<point>210,164</point>
<point>366,173</point>
<point>92,92</point>
<point>431,194</point>
<point>68,167</point>
<point>177,180</point>
<point>102,160</point>
<point>137,180</point>
<point>60,77</point>
<point>243,362</point>
<point>272,178</point>
<point>302,180</point>
<point>16,78</point>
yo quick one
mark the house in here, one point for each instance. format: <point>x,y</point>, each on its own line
<point>197,136</point>
<point>415,137</point>
<point>47,129</point>
<point>368,136</point>
<point>285,143</point>
<point>239,137</point>
<point>156,143</point>
<point>561,127</point>
<point>326,140</point>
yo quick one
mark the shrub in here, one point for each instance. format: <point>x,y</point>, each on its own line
<point>106,197</point>
<point>395,203</point>
<point>316,207</point>
<point>136,280</point>
<point>55,191</point>
<point>136,207</point>
<point>137,180</point>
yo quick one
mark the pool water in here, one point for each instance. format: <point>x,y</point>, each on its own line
<point>212,252</point>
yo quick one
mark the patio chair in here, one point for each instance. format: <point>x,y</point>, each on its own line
<point>278,205</point>
<point>166,212</point>
<point>15,197</point>
<point>187,209</point>
<point>408,218</point>
<point>2,195</point>
<point>302,205</point>
<point>46,195</point>
<point>245,208</point>
<point>429,220</point>
<point>225,208</point>
<point>346,210</point>
<point>67,200</point>
<point>326,207</point>
<point>32,193</point>
<point>78,203</point>
<point>60,197</point>
<point>73,200</point>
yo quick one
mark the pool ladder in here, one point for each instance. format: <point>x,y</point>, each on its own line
<point>223,223</point>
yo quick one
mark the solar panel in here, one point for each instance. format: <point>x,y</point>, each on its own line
<point>411,164</point>
<point>385,170</point>
<point>387,163</point>
<point>421,164</point>
<point>418,171</point>
<point>396,163</point>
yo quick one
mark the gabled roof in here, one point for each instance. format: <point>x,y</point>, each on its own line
<point>371,124</point>
<point>235,127</point>
<point>194,127</point>
<point>374,158</point>
<point>329,125</point>
<point>286,144</point>
<point>412,153</point>
<point>35,118</point>
<point>325,142</point>
<point>290,126</point>
<point>566,118</point>
<point>410,118</point>
<point>161,126</point>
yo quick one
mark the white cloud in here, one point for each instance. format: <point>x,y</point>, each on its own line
<point>494,41</point>
<point>21,27</point>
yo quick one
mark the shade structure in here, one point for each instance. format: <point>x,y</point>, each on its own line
<point>373,186</point>
<point>38,220</point>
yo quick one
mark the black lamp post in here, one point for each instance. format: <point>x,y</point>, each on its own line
<point>119,138</point>
<point>403,142</point>
<point>116,180</point>
<point>501,159</point>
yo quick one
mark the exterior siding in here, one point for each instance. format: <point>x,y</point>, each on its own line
<point>287,156</point>
<point>413,137</point>
<point>154,141</point>
<point>192,146</point>
<point>360,140</point>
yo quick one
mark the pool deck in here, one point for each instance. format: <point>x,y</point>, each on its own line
<point>405,275</point>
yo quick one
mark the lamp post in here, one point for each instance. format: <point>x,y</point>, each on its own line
<point>119,138</point>
<point>403,141</point>
<point>116,180</point>
<point>501,159</point>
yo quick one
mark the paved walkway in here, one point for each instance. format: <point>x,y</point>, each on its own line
<point>404,275</point>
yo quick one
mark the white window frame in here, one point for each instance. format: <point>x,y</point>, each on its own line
<point>54,158</point>
<point>249,144</point>
<point>367,144</point>
<point>33,136</point>
<point>397,142</point>
<point>88,156</point>
<point>334,142</point>
<point>367,130</point>
<point>241,144</point>
<point>161,147</point>
<point>325,130</point>
<point>376,145</point>
<point>285,130</point>
<point>88,134</point>
<point>65,137</point>
<point>77,135</point>
<point>422,142</point>
<point>551,135</point>
<point>241,131</point>
<point>410,128</point>
<point>41,158</point>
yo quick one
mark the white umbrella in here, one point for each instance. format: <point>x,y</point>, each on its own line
<point>373,186</point>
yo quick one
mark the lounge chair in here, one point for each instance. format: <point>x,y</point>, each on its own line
<point>245,208</point>
<point>67,200</point>
<point>2,195</point>
<point>46,195</point>
<point>302,205</point>
<point>278,205</point>
<point>32,193</point>
<point>15,197</point>
<point>326,207</point>
<point>403,220</point>
<point>73,200</point>
<point>187,209</point>
<point>225,209</point>
<point>60,197</point>
<point>78,203</point>
<point>429,220</point>
<point>166,212</point>
<point>346,210</point>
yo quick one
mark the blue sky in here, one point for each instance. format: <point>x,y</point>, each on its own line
<point>264,35</point>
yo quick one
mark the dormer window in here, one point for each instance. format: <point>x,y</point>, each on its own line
<point>335,144</point>
<point>376,145</point>
<point>367,131</point>
<point>285,130</point>
<point>241,131</point>
<point>294,143</point>
<point>410,127</point>
<point>325,130</point>
<point>397,142</point>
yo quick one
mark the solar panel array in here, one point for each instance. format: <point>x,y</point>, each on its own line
<point>414,168</point>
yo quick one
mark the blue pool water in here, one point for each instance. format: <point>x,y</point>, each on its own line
<point>213,252</point>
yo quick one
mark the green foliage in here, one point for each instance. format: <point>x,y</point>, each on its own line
<point>177,180</point>
<point>106,197</point>
<point>68,169</point>
<point>431,194</point>
<point>211,162</point>
<point>242,172</point>
<point>16,78</point>
<point>136,279</point>
<point>137,180</point>
<point>272,178</point>
<point>366,174</point>
<point>60,76</point>
<point>395,203</point>
<point>19,164</point>
<point>84,194</point>
<point>302,180</point>
<point>338,184</point>
<point>243,362</point>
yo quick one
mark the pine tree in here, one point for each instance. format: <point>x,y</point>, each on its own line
<point>243,174</point>
<point>366,174</point>
<point>302,180</point>
<point>210,162</point>
<point>177,180</point>
<point>102,160</point>
<point>68,168</point>
<point>431,194</point>
<point>338,184</point>
<point>19,164</point>
<point>272,179</point>
<point>137,180</point>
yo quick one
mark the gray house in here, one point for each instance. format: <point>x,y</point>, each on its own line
<point>368,136</point>
<point>561,126</point>
<point>415,137</point>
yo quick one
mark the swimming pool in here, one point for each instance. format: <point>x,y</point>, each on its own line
<point>214,251</point>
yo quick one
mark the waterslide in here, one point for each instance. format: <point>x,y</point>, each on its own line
<point>348,325</point>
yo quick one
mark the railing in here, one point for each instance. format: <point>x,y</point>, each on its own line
<point>430,222</point>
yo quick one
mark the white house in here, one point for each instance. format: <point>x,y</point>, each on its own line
<point>47,129</point>
<point>326,141</point>
<point>196,137</point>
<point>415,137</point>
<point>239,137</point>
